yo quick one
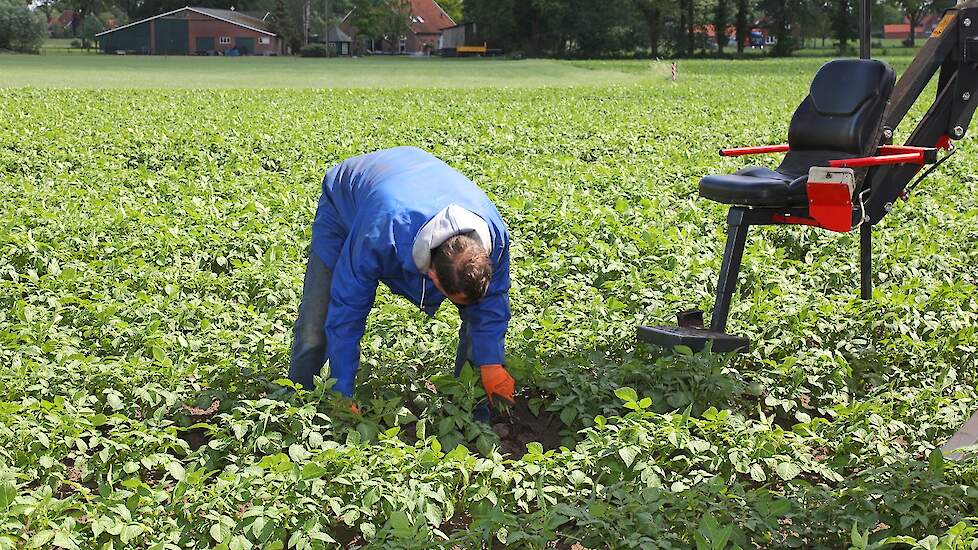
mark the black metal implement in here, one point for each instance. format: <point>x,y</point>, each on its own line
<point>951,52</point>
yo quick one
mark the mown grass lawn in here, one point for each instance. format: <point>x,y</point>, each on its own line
<point>152,246</point>
<point>60,70</point>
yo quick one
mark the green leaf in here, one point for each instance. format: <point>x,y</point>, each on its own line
<point>446,426</point>
<point>626,394</point>
<point>114,400</point>
<point>787,470</point>
<point>298,453</point>
<point>64,540</point>
<point>485,444</point>
<point>858,540</point>
<point>312,470</point>
<point>40,539</point>
<point>935,462</point>
<point>130,532</point>
<point>239,542</point>
<point>757,472</point>
<point>8,494</point>
<point>176,470</point>
<point>628,454</point>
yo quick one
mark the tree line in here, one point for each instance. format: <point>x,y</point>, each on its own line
<point>679,28</point>
<point>537,28</point>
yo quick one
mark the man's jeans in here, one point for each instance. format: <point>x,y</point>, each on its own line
<point>309,345</point>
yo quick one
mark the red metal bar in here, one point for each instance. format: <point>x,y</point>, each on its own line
<point>758,150</point>
<point>862,162</point>
<point>900,149</point>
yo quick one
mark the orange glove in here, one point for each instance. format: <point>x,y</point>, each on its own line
<point>497,381</point>
<point>354,408</point>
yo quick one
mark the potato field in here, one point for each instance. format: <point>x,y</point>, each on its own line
<point>152,249</point>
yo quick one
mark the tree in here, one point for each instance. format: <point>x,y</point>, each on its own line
<point>597,28</point>
<point>382,19</point>
<point>90,26</point>
<point>496,21</point>
<point>742,23</point>
<point>285,27</point>
<point>396,21</point>
<point>721,16</point>
<point>652,12</point>
<point>687,25</point>
<point>21,29</point>
<point>539,27</point>
<point>782,14</point>
<point>844,22</point>
<point>83,8</point>
<point>914,11</point>
<point>454,9</point>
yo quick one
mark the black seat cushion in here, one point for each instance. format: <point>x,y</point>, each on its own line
<point>755,186</point>
<point>841,117</point>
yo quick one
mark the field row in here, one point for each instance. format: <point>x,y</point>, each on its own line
<point>151,254</point>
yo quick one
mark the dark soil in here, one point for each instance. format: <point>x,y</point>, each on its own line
<point>518,426</point>
<point>198,437</point>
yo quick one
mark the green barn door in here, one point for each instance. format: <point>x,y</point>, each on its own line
<point>204,45</point>
<point>245,45</point>
<point>172,36</point>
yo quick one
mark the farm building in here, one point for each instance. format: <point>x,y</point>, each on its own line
<point>194,31</point>
<point>427,21</point>
<point>902,30</point>
<point>463,39</point>
<point>341,42</point>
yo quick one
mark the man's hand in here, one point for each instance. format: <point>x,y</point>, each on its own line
<point>354,408</point>
<point>497,381</point>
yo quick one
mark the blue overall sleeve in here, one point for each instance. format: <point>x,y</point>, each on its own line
<point>354,288</point>
<point>488,318</point>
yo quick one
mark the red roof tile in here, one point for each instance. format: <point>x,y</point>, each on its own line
<point>427,17</point>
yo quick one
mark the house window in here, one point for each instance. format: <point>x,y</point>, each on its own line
<point>264,40</point>
<point>417,19</point>
<point>225,40</point>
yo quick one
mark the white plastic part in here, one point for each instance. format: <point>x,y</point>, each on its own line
<point>820,174</point>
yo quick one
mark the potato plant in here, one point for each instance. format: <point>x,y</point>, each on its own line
<point>152,246</point>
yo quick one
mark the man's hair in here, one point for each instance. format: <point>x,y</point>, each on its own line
<point>463,267</point>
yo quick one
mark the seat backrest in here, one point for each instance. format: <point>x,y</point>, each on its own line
<point>842,115</point>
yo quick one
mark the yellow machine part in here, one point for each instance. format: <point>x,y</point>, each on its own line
<point>471,49</point>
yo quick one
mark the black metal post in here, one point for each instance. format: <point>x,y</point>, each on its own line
<point>733,253</point>
<point>866,261</point>
<point>865,230</point>
<point>865,37</point>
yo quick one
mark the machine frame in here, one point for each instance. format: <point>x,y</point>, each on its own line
<point>951,52</point>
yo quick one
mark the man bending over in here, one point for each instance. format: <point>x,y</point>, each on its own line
<point>404,218</point>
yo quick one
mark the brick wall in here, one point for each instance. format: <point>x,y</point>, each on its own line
<point>206,27</point>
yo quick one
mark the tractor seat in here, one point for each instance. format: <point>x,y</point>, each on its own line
<point>755,186</point>
<point>841,117</point>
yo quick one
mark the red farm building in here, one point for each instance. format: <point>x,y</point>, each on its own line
<point>194,31</point>
<point>425,29</point>
<point>902,30</point>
